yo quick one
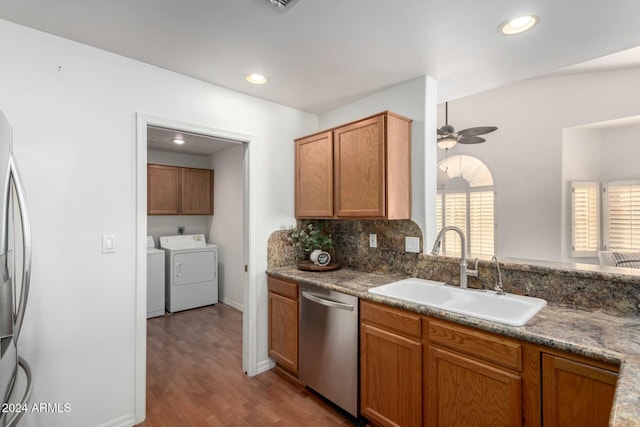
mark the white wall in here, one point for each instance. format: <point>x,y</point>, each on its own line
<point>226,229</point>
<point>581,151</point>
<point>525,153</point>
<point>73,108</point>
<point>167,225</point>
<point>620,153</point>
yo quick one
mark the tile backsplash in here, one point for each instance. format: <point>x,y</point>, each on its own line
<point>557,283</point>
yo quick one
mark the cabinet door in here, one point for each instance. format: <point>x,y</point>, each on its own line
<point>283,331</point>
<point>359,151</point>
<point>390,377</point>
<point>163,190</point>
<point>575,394</point>
<point>314,176</point>
<point>465,392</point>
<point>197,191</point>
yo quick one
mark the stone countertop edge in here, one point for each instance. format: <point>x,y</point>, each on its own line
<point>592,334</point>
<point>587,271</point>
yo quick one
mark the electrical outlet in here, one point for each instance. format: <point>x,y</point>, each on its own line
<point>373,240</point>
<point>412,244</point>
<point>181,229</point>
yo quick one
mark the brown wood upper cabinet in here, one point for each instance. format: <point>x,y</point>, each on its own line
<point>314,176</point>
<point>174,190</point>
<point>359,170</point>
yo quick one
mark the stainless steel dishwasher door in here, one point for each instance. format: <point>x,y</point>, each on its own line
<point>328,360</point>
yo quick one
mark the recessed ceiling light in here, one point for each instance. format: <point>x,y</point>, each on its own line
<point>519,25</point>
<point>179,141</point>
<point>256,79</point>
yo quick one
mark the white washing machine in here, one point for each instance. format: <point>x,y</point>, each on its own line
<point>155,279</point>
<point>191,272</point>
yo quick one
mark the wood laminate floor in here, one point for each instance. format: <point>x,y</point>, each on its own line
<point>195,378</point>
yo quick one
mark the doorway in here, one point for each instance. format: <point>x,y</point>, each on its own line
<point>227,153</point>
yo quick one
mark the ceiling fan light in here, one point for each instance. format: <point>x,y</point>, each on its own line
<point>519,25</point>
<point>447,143</point>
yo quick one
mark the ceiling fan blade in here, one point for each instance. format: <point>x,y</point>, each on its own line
<point>481,130</point>
<point>471,140</point>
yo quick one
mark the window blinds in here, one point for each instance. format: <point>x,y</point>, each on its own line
<point>478,225</point>
<point>623,216</point>
<point>584,219</point>
<point>455,213</point>
<point>481,222</point>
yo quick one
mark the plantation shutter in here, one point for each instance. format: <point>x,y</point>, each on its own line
<point>439,224</point>
<point>623,216</point>
<point>481,223</point>
<point>455,214</point>
<point>584,219</point>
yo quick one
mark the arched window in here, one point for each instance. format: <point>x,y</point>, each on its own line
<point>466,199</point>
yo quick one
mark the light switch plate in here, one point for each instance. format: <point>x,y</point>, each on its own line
<point>373,240</point>
<point>108,243</point>
<point>412,244</point>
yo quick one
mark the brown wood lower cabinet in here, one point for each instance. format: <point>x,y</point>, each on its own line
<point>390,365</point>
<point>418,370</point>
<point>463,391</point>
<point>473,377</point>
<point>575,393</point>
<point>283,323</point>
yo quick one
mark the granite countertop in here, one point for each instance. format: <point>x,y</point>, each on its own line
<point>592,334</point>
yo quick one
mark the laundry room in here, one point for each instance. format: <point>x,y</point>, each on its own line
<point>195,220</point>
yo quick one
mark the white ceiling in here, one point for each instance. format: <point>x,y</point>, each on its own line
<point>161,139</point>
<point>322,54</point>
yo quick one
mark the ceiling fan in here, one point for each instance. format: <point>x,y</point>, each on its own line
<point>448,137</point>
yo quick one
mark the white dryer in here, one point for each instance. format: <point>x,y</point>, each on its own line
<point>191,272</point>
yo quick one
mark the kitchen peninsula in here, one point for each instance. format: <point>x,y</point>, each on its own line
<point>591,316</point>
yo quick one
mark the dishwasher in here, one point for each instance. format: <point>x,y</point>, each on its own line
<point>328,359</point>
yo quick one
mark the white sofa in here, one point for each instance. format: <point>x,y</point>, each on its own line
<point>606,258</point>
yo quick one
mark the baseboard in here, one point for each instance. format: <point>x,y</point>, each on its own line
<point>232,303</point>
<point>264,366</point>
<point>123,421</point>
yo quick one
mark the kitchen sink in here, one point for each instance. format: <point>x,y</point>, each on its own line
<point>509,309</point>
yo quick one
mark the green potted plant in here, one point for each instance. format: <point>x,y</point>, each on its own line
<point>310,240</point>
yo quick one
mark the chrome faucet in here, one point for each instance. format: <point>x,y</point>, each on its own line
<point>498,286</point>
<point>464,271</point>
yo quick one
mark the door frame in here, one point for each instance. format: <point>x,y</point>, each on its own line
<point>249,313</point>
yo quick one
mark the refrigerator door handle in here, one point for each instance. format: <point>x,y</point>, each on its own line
<point>26,244</point>
<point>13,421</point>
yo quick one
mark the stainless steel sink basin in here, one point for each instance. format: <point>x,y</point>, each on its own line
<point>509,309</point>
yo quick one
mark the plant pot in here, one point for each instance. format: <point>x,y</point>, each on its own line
<point>319,257</point>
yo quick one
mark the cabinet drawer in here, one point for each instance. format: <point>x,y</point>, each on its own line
<point>282,287</point>
<point>500,350</point>
<point>391,318</point>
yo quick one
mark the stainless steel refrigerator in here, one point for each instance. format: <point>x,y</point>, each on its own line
<point>15,266</point>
